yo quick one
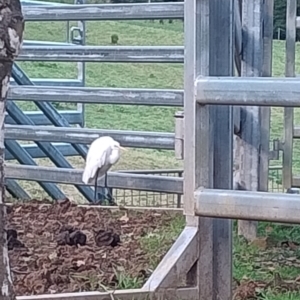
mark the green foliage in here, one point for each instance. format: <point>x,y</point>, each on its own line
<point>160,241</point>
<point>114,39</point>
<point>280,18</point>
<point>127,282</point>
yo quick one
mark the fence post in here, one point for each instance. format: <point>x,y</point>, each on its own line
<point>249,142</point>
<point>290,59</point>
<point>221,64</point>
<point>265,112</point>
<point>208,149</point>
<point>11,32</point>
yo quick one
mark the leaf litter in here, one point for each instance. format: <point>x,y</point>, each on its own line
<point>274,260</point>
<point>62,248</point>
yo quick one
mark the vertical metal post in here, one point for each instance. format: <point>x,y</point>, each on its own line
<point>81,65</point>
<point>237,57</point>
<point>198,143</point>
<point>250,115</point>
<point>68,32</point>
<point>80,39</point>
<point>192,112</point>
<point>222,64</point>
<point>204,145</point>
<point>290,47</point>
<point>204,24</point>
<point>180,174</point>
<point>265,112</point>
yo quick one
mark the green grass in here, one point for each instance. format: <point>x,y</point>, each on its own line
<point>249,261</point>
<point>262,262</point>
<point>162,239</point>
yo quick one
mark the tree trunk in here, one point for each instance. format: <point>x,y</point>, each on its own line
<point>11,37</point>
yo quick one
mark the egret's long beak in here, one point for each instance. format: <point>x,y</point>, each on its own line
<point>123,148</point>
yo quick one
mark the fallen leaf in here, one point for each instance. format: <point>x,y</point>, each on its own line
<point>261,243</point>
<point>124,218</point>
<point>291,245</point>
<point>80,263</point>
<point>269,229</point>
<point>52,255</point>
<point>26,258</point>
<point>18,209</point>
<point>291,258</point>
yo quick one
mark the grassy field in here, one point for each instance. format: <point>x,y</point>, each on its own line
<point>258,261</point>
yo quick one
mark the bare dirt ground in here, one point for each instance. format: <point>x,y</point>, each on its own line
<point>66,248</point>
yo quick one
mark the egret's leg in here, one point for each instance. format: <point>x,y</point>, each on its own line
<point>96,180</point>
<point>105,185</point>
<point>110,197</point>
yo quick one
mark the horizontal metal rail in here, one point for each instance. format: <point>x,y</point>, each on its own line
<point>35,152</point>
<point>163,184</point>
<point>275,168</point>
<point>155,97</point>
<point>178,171</point>
<point>153,172</point>
<point>296,181</point>
<point>297,132</point>
<point>298,22</point>
<point>136,139</point>
<point>116,54</point>
<point>251,91</point>
<point>189,293</point>
<point>38,118</point>
<point>52,82</point>
<point>101,12</point>
<point>33,43</point>
<point>39,3</point>
<point>248,205</point>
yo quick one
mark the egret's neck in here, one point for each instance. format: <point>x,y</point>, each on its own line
<point>114,157</point>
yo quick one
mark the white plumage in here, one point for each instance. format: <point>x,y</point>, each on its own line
<point>103,153</point>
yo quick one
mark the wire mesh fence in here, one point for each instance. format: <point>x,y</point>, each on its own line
<point>149,199</point>
<point>275,179</point>
<point>153,199</point>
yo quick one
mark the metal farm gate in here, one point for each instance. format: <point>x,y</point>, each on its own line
<point>54,142</point>
<point>48,114</point>
<point>69,90</point>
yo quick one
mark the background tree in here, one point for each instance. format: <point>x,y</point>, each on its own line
<point>280,19</point>
<point>11,37</point>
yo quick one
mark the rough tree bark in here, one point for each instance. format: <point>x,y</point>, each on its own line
<point>11,37</point>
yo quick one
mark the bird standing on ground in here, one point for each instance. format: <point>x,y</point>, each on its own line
<point>103,153</point>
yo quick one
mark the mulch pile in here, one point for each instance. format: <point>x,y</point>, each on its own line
<point>65,248</point>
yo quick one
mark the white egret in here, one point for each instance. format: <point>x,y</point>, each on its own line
<point>103,153</point>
